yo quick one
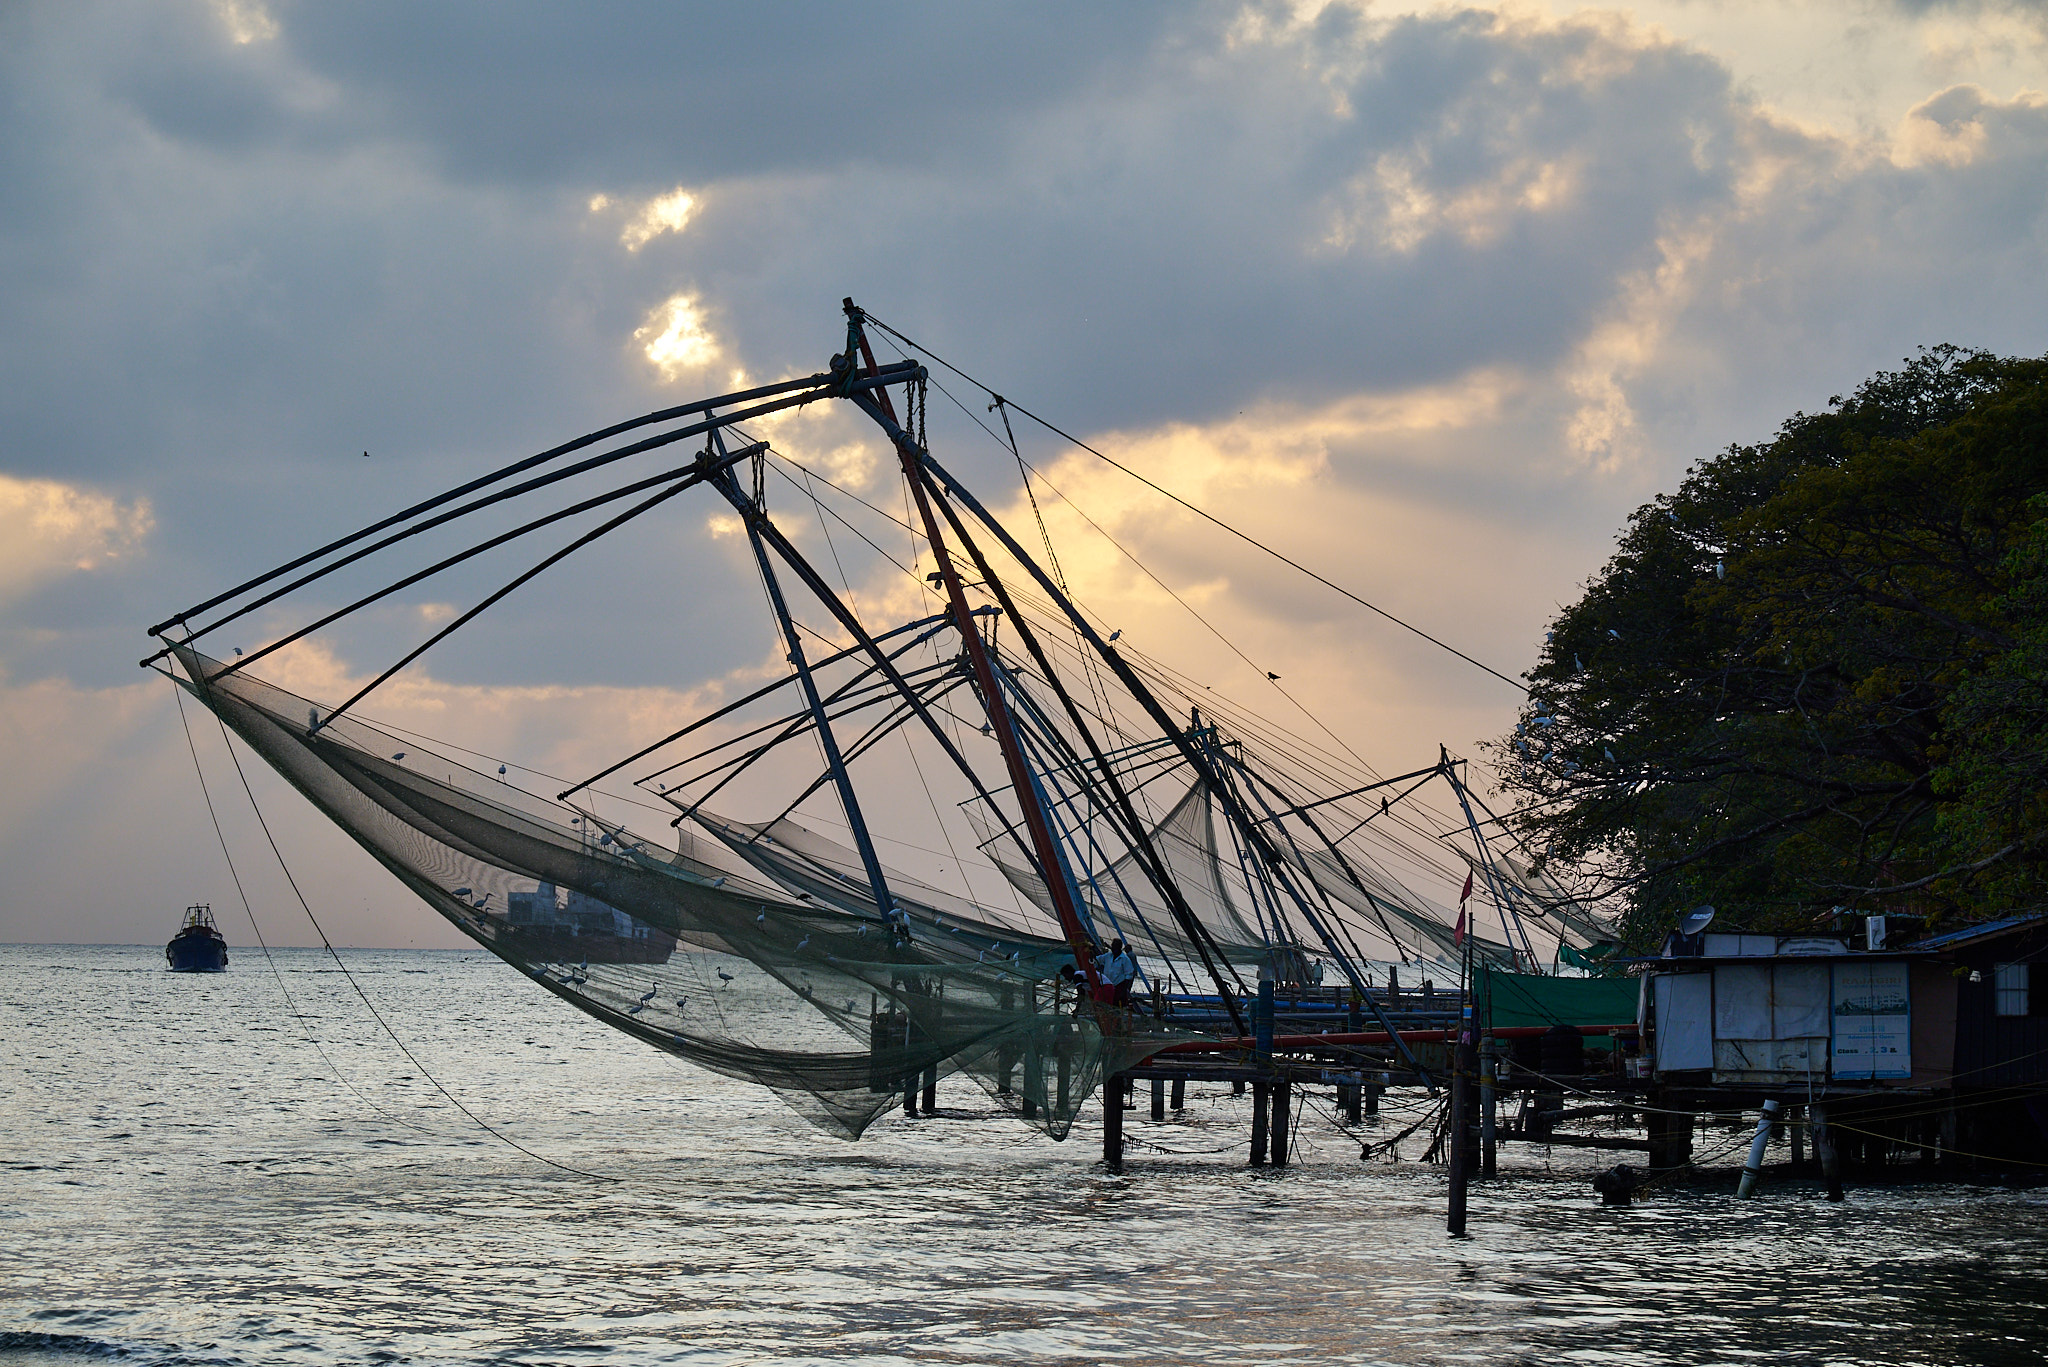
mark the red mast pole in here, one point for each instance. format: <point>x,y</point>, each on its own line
<point>1035,820</point>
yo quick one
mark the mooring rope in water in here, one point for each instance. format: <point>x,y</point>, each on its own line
<point>328,945</point>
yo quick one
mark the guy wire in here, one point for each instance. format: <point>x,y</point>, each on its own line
<point>177,695</point>
<point>328,945</point>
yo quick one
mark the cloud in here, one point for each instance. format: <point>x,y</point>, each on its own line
<point>1427,296</point>
<point>246,21</point>
<point>675,338</point>
<point>669,213</point>
<point>1957,125</point>
<point>49,529</point>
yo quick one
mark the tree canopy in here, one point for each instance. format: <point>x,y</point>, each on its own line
<point>1815,676</point>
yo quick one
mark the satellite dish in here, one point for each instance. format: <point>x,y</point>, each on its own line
<point>1696,921</point>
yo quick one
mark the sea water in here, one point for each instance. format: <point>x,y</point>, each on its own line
<point>249,1168</point>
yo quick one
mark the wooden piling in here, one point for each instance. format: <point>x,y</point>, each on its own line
<point>1349,1094</point>
<point>1180,1093</point>
<point>1278,1103</point>
<point>931,1090</point>
<point>1824,1150</point>
<point>1113,1124</point>
<point>1670,1134</point>
<point>1259,1090</point>
<point>1006,1055</point>
<point>1464,1073</point>
<point>1063,1085</point>
<point>1489,1094</point>
<point>1034,1081</point>
<point>1159,1098</point>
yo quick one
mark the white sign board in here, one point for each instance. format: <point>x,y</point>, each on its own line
<point>1873,1020</point>
<point>1685,1020</point>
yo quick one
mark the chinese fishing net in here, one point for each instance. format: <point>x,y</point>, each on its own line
<point>789,975</point>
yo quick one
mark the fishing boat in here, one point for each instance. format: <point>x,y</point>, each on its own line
<point>907,853</point>
<point>575,928</point>
<point>198,947</point>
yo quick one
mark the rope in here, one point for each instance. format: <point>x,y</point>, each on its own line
<point>177,696</point>
<point>1245,537</point>
<point>328,945</point>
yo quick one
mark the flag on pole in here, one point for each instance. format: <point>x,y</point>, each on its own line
<point>1458,934</point>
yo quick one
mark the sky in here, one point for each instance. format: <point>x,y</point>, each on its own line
<point>1429,297</point>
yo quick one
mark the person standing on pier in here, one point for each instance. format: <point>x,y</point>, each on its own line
<point>1118,971</point>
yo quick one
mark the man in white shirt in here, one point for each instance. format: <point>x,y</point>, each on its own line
<point>1118,971</point>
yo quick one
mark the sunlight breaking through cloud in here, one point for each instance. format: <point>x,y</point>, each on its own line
<point>669,213</point>
<point>675,338</point>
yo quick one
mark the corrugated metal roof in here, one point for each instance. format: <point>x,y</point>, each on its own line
<point>1979,931</point>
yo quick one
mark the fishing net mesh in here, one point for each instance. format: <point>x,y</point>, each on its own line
<point>789,976</point>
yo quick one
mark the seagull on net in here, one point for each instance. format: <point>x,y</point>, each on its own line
<point>801,943</point>
<point>501,769</point>
<point>1114,634</point>
<point>648,995</point>
<point>682,1002</point>
<point>724,976</point>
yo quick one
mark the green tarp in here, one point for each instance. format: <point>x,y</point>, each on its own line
<point>1512,999</point>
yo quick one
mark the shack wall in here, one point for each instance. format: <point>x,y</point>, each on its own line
<point>1993,1050</point>
<point>1934,1024</point>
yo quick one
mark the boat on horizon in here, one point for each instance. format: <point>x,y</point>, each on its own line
<point>198,947</point>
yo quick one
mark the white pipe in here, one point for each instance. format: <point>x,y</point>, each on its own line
<point>1754,1168</point>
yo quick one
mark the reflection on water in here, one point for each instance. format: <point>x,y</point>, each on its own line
<point>184,1177</point>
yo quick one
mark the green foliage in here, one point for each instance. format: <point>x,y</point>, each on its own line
<point>1812,677</point>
